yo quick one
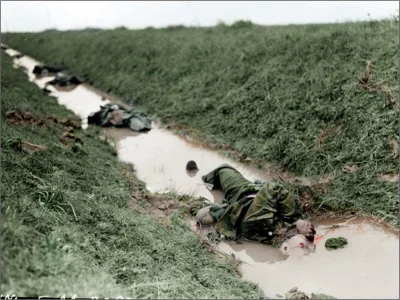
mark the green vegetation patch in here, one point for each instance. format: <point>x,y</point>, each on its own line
<point>335,243</point>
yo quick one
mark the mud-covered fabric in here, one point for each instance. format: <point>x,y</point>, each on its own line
<point>42,70</point>
<point>231,182</point>
<point>261,218</point>
<point>63,80</point>
<point>335,243</point>
<point>113,114</point>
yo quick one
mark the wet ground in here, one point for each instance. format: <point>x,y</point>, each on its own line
<point>368,267</point>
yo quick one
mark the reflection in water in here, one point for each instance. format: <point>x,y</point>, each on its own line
<point>367,268</point>
<point>258,253</point>
<point>191,173</point>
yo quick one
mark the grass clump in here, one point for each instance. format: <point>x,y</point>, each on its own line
<point>66,225</point>
<point>283,94</point>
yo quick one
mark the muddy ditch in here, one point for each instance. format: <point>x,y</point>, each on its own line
<point>368,267</point>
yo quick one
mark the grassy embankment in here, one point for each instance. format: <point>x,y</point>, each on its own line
<point>66,225</point>
<point>284,94</point>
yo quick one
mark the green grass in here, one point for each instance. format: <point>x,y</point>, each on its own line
<point>266,91</point>
<point>66,225</point>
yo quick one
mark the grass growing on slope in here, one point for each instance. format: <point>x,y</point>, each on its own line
<point>270,92</point>
<point>66,226</point>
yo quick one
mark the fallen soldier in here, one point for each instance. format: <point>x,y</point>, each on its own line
<point>18,56</point>
<point>262,212</point>
<point>44,70</point>
<point>64,81</point>
<point>113,114</point>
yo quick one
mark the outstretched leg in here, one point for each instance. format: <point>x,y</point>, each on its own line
<point>230,181</point>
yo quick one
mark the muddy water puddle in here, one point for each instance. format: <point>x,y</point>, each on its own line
<point>160,160</point>
<point>368,267</point>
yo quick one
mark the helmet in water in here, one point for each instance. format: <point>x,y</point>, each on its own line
<point>191,166</point>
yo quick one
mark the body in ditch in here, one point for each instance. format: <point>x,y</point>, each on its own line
<point>263,212</point>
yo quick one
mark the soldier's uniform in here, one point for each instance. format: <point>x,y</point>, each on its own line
<point>262,218</point>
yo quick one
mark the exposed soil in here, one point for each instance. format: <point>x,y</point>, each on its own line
<point>25,118</point>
